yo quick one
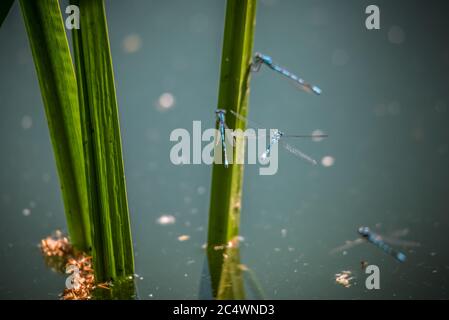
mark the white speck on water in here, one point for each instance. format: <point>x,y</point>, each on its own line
<point>26,122</point>
<point>396,35</point>
<point>141,278</point>
<point>26,212</point>
<point>328,161</point>
<point>317,132</point>
<point>183,237</point>
<point>284,233</point>
<point>166,101</point>
<point>132,43</point>
<point>345,252</point>
<point>277,249</point>
<point>187,200</point>
<point>186,275</point>
<point>340,57</point>
<point>433,254</point>
<point>291,249</point>
<point>150,295</point>
<point>201,190</point>
<point>166,219</point>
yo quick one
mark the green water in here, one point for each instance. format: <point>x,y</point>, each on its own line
<point>385,106</point>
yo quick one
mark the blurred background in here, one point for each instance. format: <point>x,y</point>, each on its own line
<point>385,106</point>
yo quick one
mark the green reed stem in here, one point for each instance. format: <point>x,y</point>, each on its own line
<point>226,192</point>
<point>113,248</point>
<point>54,68</point>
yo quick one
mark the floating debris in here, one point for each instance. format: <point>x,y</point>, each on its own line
<point>344,278</point>
<point>183,237</point>
<point>165,101</point>
<point>132,43</point>
<point>327,161</point>
<point>166,219</point>
<point>56,245</point>
<point>26,212</point>
<point>82,281</point>
<point>105,285</point>
<point>80,284</point>
<point>234,242</point>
